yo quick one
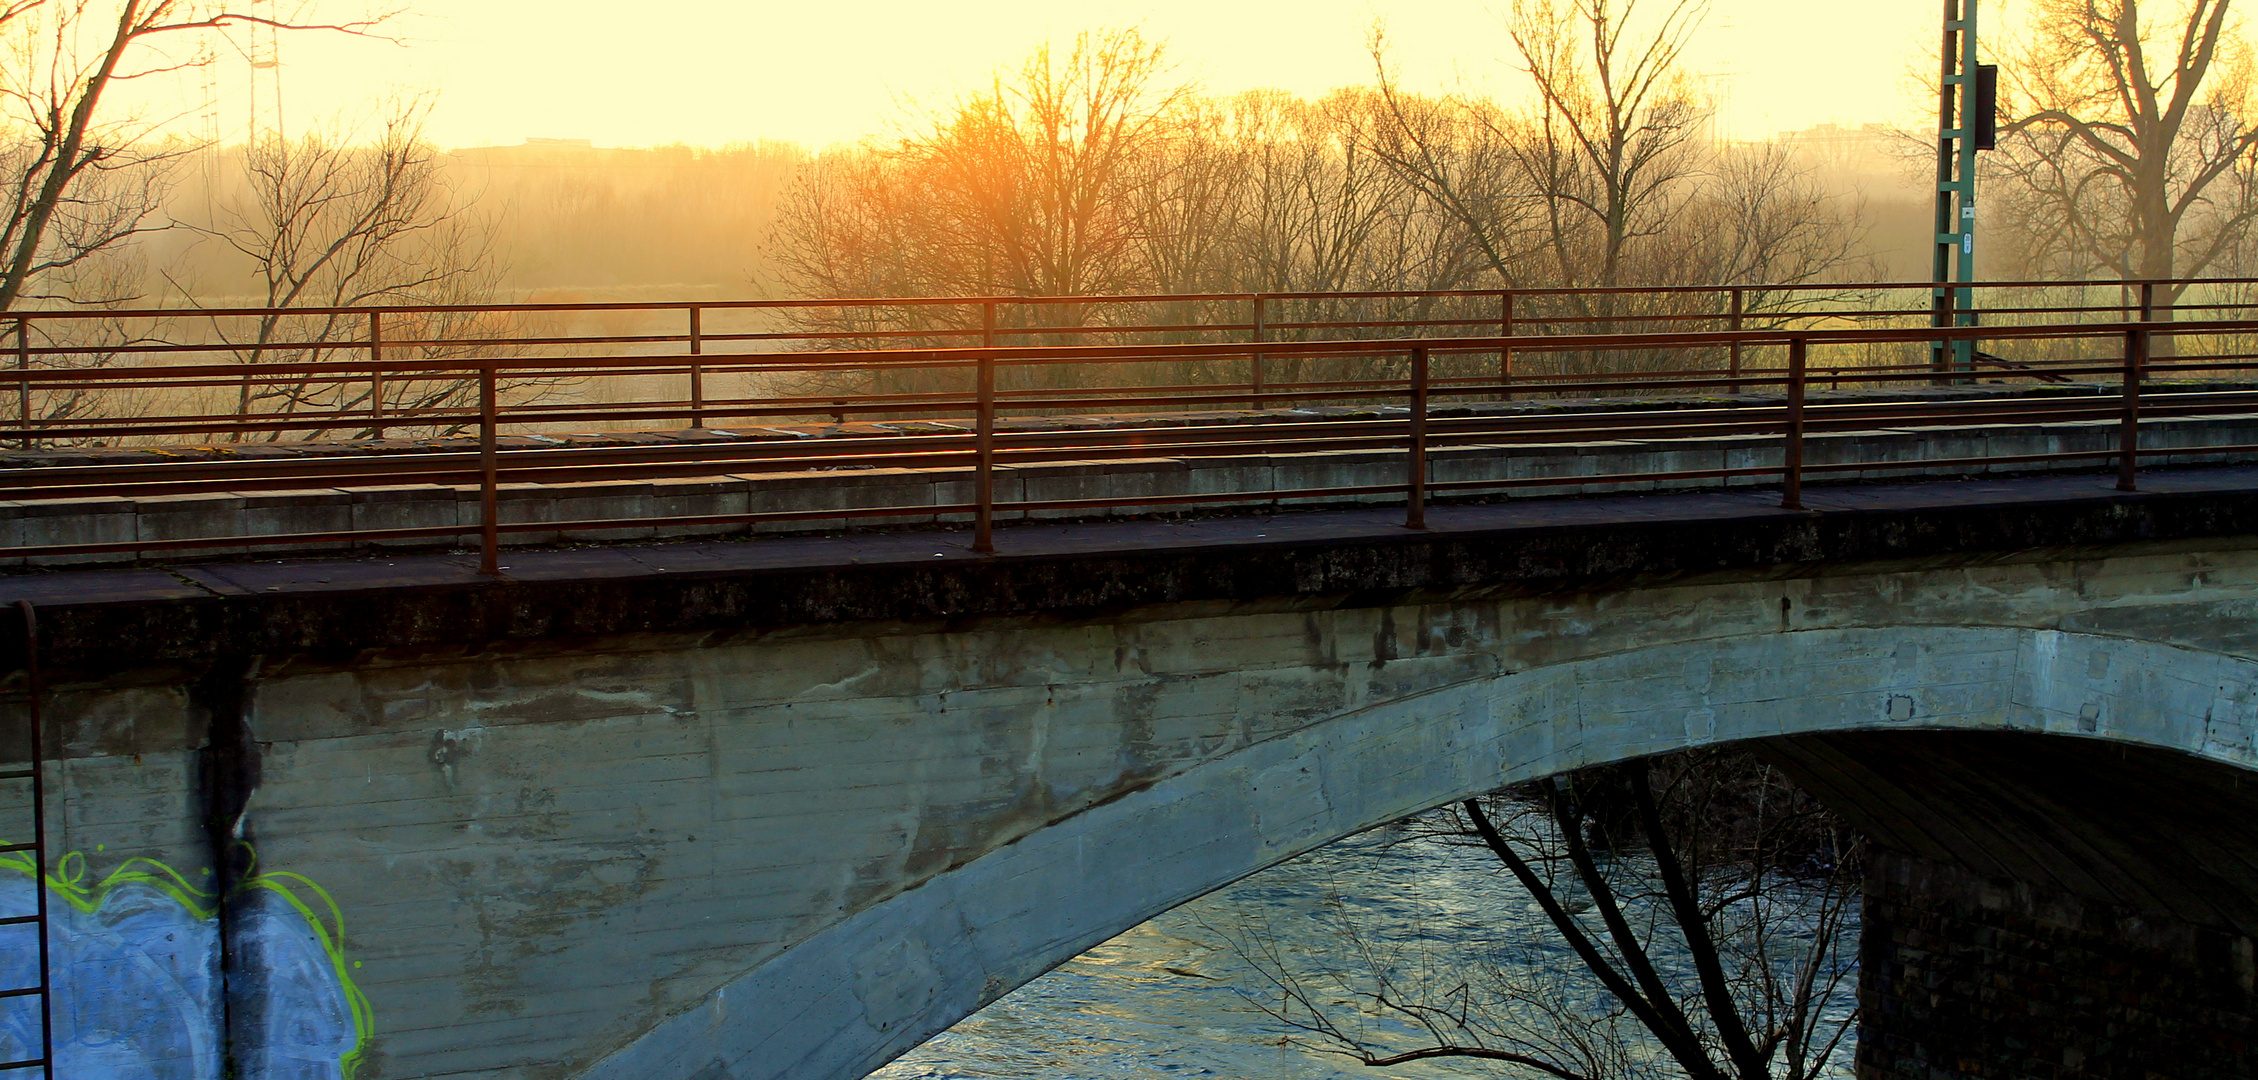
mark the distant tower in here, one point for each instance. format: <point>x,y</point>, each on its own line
<point>1720,122</point>
<point>208,114</point>
<point>265,54</point>
<point>210,171</point>
<point>1722,83</point>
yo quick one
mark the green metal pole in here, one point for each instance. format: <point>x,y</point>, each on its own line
<point>1952,301</point>
<point>1963,351</point>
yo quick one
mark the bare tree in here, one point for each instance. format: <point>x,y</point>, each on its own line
<point>1459,154</point>
<point>1269,193</point>
<point>1596,165</point>
<point>1022,189</point>
<point>2128,147</point>
<point>1710,900</point>
<point>76,181</point>
<point>325,223</point>
<point>1602,179</point>
<point>1093,177</point>
<point>1759,216</point>
<point>1186,197</point>
<point>1615,118</point>
<point>1019,189</point>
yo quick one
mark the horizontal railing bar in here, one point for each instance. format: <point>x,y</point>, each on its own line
<point>312,468</point>
<point>1351,390</point>
<point>559,472</point>
<point>757,447</point>
<point>459,531</point>
<point>1148,353</point>
<point>208,314</point>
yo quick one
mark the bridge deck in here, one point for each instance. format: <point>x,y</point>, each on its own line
<point>100,617</point>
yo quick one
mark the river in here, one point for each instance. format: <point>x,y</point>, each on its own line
<point>1171,997</point>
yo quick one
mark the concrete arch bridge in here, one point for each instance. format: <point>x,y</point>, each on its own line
<point>785,809</point>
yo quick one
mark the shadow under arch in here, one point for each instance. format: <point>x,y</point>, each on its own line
<point>864,990</point>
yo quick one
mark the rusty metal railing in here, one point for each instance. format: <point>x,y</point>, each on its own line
<point>505,409</point>
<point>249,375</point>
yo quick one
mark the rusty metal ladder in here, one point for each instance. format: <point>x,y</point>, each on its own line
<point>38,850</point>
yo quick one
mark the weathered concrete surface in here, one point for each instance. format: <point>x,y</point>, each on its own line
<point>767,848</point>
<point>109,620</point>
<point>855,993</point>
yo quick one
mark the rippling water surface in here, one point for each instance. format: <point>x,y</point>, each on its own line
<point>1170,998</point>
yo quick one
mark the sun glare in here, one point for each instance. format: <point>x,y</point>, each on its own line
<point>713,72</point>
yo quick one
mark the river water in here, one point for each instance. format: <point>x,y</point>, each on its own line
<point>1176,996</point>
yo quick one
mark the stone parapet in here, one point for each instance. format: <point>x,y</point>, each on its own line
<point>789,433</point>
<point>802,501</point>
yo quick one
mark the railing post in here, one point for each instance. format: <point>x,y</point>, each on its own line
<point>984,439</point>
<point>1733,357</point>
<point>1255,372</point>
<point>376,373</point>
<point>2148,316</point>
<point>984,465</point>
<point>1791,472</point>
<point>489,484</point>
<point>23,386</point>
<point>1415,511</point>
<point>697,371</point>
<point>1505,355</point>
<point>2128,429</point>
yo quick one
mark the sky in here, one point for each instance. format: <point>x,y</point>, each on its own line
<point>713,72</point>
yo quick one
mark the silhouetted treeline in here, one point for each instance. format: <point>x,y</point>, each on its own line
<point>1088,172</point>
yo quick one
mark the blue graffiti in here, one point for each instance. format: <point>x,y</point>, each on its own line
<point>138,991</point>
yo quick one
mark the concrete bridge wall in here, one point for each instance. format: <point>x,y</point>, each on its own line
<point>1537,468</point>
<point>797,851</point>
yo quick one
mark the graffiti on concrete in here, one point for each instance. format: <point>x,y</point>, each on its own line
<point>138,988</point>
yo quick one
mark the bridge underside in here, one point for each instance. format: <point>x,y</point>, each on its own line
<point>2041,906</point>
<point>825,812</point>
<point>2121,826</point>
<point>910,965</point>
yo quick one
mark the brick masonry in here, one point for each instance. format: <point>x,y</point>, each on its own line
<point>1966,975</point>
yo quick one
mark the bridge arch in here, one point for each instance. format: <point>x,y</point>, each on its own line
<point>869,987</point>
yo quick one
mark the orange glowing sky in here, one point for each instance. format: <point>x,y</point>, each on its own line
<point>719,71</point>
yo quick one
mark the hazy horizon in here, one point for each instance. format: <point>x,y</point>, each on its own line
<point>716,74</point>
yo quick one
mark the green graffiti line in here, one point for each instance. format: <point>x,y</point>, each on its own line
<point>67,879</point>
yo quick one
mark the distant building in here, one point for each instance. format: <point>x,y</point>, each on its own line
<point>541,153</point>
<point>1838,135</point>
<point>1866,154</point>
